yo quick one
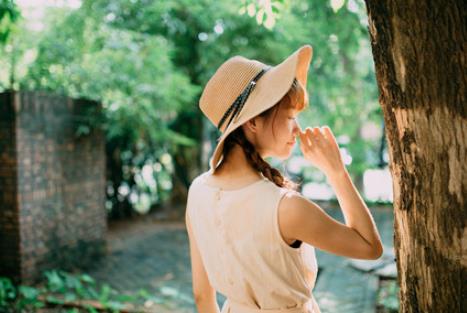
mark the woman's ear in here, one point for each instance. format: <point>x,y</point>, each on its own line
<point>252,124</point>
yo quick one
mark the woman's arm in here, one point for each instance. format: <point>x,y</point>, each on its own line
<point>356,213</point>
<point>320,146</point>
<point>204,294</point>
<point>300,218</point>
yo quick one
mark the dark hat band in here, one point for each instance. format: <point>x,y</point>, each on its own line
<point>237,105</point>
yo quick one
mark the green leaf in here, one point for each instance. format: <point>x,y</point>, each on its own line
<point>39,304</point>
<point>70,296</point>
<point>114,305</point>
<point>105,293</point>
<point>53,299</point>
<point>54,282</point>
<point>28,293</point>
<point>91,309</point>
<point>87,279</point>
<point>126,298</point>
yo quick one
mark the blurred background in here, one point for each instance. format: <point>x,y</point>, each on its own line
<point>145,63</point>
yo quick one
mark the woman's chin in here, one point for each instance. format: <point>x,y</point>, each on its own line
<point>286,154</point>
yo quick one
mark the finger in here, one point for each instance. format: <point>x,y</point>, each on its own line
<point>327,132</point>
<point>309,135</point>
<point>318,136</point>
<point>319,130</point>
<point>303,140</point>
<point>309,132</point>
<point>307,139</point>
<point>330,136</point>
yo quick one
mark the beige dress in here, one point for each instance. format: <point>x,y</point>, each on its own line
<point>244,255</point>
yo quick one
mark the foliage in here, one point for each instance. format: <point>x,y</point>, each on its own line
<point>265,12</point>
<point>132,74</point>
<point>342,84</point>
<point>147,61</point>
<point>62,287</point>
<point>9,14</point>
<point>341,79</point>
<point>7,291</point>
<point>388,296</point>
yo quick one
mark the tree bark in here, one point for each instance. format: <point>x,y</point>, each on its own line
<point>420,60</point>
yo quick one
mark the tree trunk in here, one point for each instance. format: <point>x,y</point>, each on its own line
<point>186,159</point>
<point>420,59</point>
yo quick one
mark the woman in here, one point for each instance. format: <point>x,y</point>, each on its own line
<point>252,235</point>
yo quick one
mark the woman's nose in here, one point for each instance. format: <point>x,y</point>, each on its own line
<point>297,129</point>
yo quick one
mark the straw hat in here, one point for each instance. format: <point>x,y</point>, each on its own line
<point>242,88</point>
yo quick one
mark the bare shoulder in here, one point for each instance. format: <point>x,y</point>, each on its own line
<point>292,211</point>
<point>294,207</point>
<point>301,218</point>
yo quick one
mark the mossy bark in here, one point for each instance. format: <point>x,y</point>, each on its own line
<point>420,60</point>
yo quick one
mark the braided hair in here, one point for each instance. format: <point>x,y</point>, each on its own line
<point>295,98</point>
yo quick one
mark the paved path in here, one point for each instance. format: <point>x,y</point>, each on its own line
<point>341,287</point>
<point>153,255</point>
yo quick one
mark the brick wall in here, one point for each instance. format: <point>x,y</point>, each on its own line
<point>52,185</point>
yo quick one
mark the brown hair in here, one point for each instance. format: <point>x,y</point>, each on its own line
<point>295,98</point>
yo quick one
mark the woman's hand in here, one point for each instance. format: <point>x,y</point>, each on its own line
<point>319,146</point>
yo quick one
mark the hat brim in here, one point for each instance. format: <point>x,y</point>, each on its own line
<point>272,86</point>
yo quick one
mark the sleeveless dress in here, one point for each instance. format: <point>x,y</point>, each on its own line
<point>243,252</point>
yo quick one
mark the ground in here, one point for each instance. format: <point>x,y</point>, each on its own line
<point>147,253</point>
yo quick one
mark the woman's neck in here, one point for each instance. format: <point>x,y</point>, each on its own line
<point>236,165</point>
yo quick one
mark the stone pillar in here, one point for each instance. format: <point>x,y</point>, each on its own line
<point>52,185</point>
